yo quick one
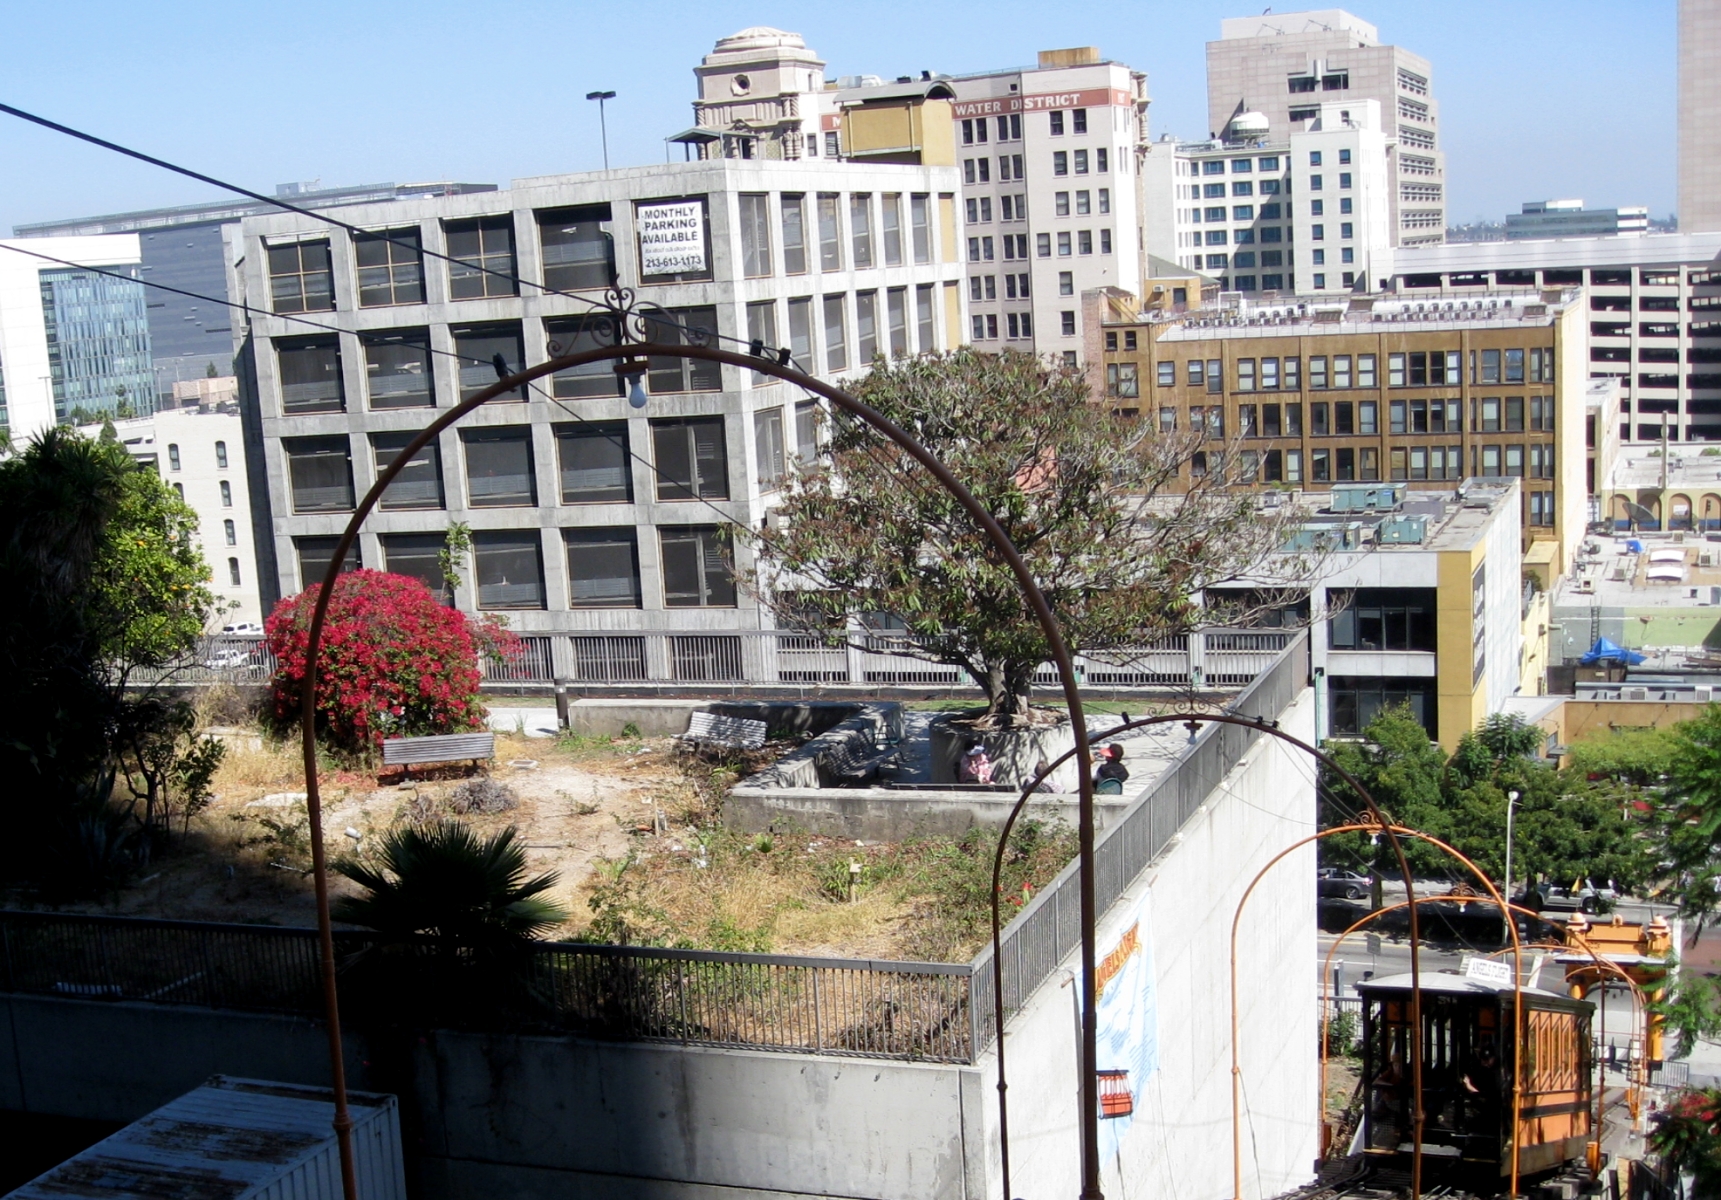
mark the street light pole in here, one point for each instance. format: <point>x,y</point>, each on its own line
<point>1511,800</point>
<point>603,125</point>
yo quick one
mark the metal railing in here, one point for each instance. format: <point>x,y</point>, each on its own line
<point>849,1007</point>
<point>1048,930</point>
<point>779,658</point>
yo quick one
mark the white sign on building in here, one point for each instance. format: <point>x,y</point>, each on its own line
<point>672,238</point>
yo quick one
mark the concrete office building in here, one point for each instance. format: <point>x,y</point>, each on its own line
<point>198,448</point>
<point>837,262</point>
<point>181,247</point>
<point>1378,389</point>
<point>1417,603</point>
<point>1308,215</point>
<point>1050,196</point>
<point>1654,319</point>
<point>1699,116</point>
<point>1285,66</point>
<point>1569,218</point>
<point>72,341</point>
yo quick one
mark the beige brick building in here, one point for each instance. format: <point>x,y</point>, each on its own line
<point>1286,65</point>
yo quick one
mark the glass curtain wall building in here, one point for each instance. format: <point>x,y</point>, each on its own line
<point>97,330</point>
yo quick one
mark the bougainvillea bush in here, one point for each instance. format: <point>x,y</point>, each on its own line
<point>395,661</point>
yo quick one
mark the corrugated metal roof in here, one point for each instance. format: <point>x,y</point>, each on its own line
<point>226,1140</point>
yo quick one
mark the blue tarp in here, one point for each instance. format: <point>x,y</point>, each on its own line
<point>1606,651</point>
<point>1635,546</point>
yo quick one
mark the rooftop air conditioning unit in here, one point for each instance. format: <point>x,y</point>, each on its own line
<point>1702,693</point>
<point>1634,693</point>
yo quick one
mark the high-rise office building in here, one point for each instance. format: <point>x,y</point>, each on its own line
<point>1285,66</point>
<point>1569,218</point>
<point>1050,202</point>
<point>181,247</point>
<point>74,343</point>
<point>1699,116</point>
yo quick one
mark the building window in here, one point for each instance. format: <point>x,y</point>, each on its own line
<point>316,553</point>
<point>419,484</point>
<point>1386,619</point>
<point>830,232</point>
<point>483,254</point>
<point>576,248</point>
<point>1368,421</point>
<point>221,455</point>
<point>231,532</point>
<point>836,335</point>
<point>173,458</point>
<point>1245,374</point>
<point>1167,374</point>
<point>1122,380</point>
<point>890,226</point>
<point>499,471</point>
<point>682,374</point>
<point>768,446</point>
<point>1490,366</point>
<point>794,235</point>
<point>807,430</point>
<point>692,458</point>
<point>866,325</point>
<point>320,471</point>
<point>509,568</point>
<point>397,369</point>
<point>1060,162</point>
<point>860,227</point>
<point>390,266</point>
<point>486,352</point>
<point>226,494</point>
<point>896,317</point>
<point>419,556</point>
<point>300,278</point>
<point>1084,241</point>
<point>310,370</point>
<point>574,335</point>
<point>926,327</point>
<point>920,222</point>
<point>593,461</point>
<point>603,567</point>
<point>1357,701</point>
<point>697,571</point>
<point>1067,323</point>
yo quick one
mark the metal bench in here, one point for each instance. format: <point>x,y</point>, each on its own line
<point>409,752</point>
<point>732,733</point>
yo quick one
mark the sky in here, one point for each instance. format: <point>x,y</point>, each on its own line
<point>1538,99</point>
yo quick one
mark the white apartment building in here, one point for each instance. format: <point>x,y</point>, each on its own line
<point>1309,215</point>
<point>1288,66</point>
<point>1051,194</point>
<point>1051,200</point>
<point>72,341</point>
<point>588,516</point>
<point>1654,319</point>
<point>199,450</point>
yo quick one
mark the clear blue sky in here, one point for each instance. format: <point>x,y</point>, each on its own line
<point>1538,99</point>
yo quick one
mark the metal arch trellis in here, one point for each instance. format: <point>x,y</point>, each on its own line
<point>631,353</point>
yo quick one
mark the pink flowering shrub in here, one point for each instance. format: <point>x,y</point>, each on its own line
<point>394,661</point>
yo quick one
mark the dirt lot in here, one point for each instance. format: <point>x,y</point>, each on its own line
<point>629,825</point>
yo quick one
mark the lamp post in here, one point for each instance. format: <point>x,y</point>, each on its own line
<point>1511,802</point>
<point>603,125</point>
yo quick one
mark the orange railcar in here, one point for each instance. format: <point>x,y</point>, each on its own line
<point>1469,1055</point>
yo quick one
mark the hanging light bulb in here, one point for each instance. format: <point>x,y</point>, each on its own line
<point>632,372</point>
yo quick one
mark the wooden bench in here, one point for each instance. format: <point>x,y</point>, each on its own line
<point>731,733</point>
<point>409,752</point>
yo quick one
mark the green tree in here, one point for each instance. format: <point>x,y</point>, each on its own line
<point>1091,501</point>
<point>1687,1135</point>
<point>1635,757</point>
<point>98,577</point>
<point>1688,817</point>
<point>1564,827</point>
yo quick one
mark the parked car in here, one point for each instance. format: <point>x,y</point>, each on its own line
<point>244,629</point>
<point>232,658</point>
<point>1332,881</point>
<point>1585,896</point>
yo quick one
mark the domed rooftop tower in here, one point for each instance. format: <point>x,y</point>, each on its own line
<point>753,90</point>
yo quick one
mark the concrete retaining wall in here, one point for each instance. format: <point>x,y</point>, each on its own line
<point>1178,1142</point>
<point>888,815</point>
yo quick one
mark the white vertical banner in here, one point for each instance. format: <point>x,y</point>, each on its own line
<point>672,238</point>
<point>1127,1008</point>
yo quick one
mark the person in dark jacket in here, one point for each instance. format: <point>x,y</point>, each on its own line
<point>1111,765</point>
